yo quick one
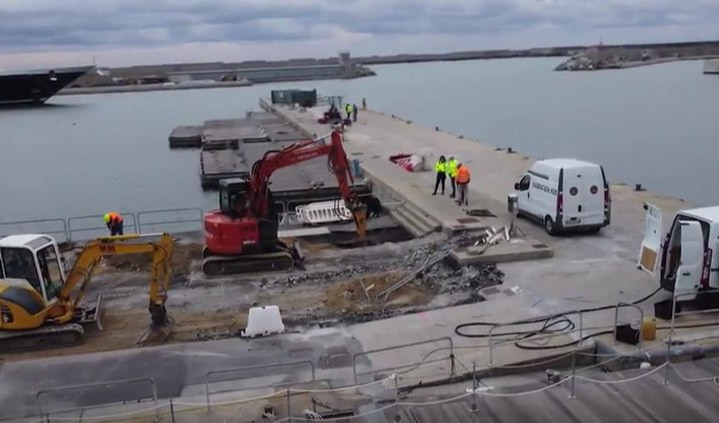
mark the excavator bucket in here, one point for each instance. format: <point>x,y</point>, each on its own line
<point>360,217</point>
<point>156,334</point>
<point>161,326</point>
<point>91,315</point>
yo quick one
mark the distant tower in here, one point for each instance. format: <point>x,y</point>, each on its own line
<point>346,63</point>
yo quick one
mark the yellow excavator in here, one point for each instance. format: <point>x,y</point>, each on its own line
<point>40,303</point>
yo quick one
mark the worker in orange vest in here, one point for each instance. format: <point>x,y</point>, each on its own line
<point>463,178</point>
<point>114,222</point>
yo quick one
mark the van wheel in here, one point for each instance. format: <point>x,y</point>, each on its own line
<point>549,225</point>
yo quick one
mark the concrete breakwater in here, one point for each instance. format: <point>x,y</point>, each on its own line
<point>169,86</point>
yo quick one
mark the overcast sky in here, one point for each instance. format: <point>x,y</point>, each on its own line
<point>120,32</point>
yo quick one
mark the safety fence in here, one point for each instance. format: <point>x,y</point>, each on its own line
<point>187,219</point>
<point>83,228</point>
<point>293,402</point>
<point>440,361</point>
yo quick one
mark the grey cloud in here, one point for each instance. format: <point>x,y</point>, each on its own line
<point>32,24</point>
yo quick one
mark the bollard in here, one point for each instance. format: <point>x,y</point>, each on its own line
<point>638,188</point>
<point>509,150</point>
<point>436,128</point>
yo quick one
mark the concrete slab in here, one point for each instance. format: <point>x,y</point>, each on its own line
<point>216,165</point>
<point>303,232</point>
<point>514,250</point>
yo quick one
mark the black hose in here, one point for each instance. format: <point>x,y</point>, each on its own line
<point>549,323</point>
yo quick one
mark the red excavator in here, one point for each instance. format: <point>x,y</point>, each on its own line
<point>241,236</point>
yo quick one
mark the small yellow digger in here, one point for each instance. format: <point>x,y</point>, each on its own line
<point>40,304</point>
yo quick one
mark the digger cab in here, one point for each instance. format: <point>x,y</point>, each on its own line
<point>35,259</point>
<point>234,198</point>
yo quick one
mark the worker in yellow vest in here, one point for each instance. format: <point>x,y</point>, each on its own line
<point>452,172</point>
<point>348,110</point>
<point>463,178</point>
<point>441,168</point>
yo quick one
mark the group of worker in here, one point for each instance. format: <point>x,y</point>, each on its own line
<point>351,111</point>
<point>459,177</point>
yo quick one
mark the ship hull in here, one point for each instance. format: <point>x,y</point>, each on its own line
<point>37,86</point>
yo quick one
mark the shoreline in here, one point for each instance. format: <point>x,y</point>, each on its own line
<point>150,87</point>
<point>562,67</point>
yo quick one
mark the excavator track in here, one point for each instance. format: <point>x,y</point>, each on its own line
<point>44,337</point>
<point>254,263</point>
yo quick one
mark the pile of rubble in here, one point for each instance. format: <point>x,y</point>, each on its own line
<point>449,279</point>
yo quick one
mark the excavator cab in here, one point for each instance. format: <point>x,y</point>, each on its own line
<point>35,259</point>
<point>234,201</point>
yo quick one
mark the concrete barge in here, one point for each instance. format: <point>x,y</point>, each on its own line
<point>711,67</point>
<point>229,147</point>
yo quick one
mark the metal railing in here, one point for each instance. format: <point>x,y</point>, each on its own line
<point>82,228</point>
<point>640,341</point>
<point>195,218</point>
<point>208,375</point>
<point>58,227</point>
<point>288,392</point>
<point>447,339</point>
<point>692,293</point>
<point>94,386</point>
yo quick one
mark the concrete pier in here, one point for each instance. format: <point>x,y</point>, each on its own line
<point>375,138</point>
<point>585,271</point>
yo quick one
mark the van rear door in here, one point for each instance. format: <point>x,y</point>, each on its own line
<point>652,242</point>
<point>583,191</point>
<point>692,261</point>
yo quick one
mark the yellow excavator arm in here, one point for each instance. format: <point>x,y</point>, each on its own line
<point>161,249</point>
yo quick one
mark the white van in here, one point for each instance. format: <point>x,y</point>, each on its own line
<point>685,254</point>
<point>565,194</point>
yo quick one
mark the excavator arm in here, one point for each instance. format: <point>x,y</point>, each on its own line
<point>77,280</point>
<point>299,152</point>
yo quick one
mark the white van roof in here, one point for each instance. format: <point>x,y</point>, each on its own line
<point>565,163</point>
<point>710,214</point>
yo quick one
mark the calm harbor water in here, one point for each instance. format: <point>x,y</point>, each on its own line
<point>655,125</point>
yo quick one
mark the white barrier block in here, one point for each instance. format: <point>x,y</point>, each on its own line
<point>263,321</point>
